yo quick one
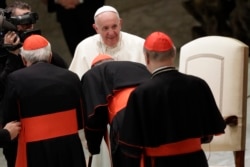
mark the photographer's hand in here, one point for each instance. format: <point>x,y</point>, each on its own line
<point>12,39</point>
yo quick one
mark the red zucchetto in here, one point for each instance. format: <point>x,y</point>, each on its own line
<point>34,42</point>
<point>100,58</point>
<point>158,41</point>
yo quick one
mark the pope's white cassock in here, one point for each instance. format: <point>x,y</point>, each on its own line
<point>129,48</point>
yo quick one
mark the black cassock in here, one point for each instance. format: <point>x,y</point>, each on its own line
<point>101,84</point>
<point>170,108</point>
<point>42,97</point>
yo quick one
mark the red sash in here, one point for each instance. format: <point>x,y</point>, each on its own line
<point>44,127</point>
<point>177,148</point>
<point>118,101</point>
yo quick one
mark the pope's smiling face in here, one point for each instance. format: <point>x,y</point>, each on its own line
<point>108,25</point>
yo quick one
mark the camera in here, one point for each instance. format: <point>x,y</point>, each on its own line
<point>28,18</point>
<point>9,23</point>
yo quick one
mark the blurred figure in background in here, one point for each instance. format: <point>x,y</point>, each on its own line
<point>220,17</point>
<point>27,18</point>
<point>75,18</point>
<point>3,4</point>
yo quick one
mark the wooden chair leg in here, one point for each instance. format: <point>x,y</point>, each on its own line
<point>239,158</point>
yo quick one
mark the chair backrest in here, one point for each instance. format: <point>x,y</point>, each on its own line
<point>223,63</point>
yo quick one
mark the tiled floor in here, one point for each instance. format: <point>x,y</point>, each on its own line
<point>143,17</point>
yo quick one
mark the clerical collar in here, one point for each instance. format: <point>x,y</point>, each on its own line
<point>41,61</point>
<point>161,70</point>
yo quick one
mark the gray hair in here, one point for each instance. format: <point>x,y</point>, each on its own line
<point>41,54</point>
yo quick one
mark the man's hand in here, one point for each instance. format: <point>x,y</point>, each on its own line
<point>11,39</point>
<point>14,128</point>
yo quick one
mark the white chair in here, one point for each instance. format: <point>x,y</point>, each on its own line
<point>223,63</point>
